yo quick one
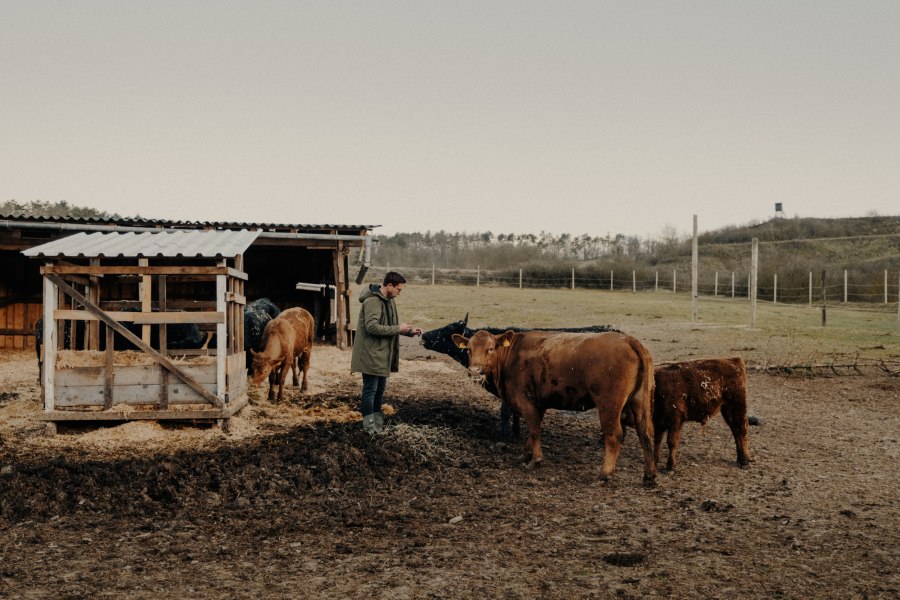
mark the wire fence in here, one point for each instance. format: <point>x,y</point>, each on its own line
<point>879,293</point>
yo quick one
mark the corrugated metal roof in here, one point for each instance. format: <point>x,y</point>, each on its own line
<point>168,224</point>
<point>169,244</point>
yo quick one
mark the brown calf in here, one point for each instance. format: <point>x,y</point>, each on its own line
<point>287,343</point>
<point>696,390</point>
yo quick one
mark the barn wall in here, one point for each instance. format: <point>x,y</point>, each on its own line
<point>20,300</point>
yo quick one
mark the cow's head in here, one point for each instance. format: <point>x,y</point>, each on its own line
<point>441,340</point>
<point>484,351</point>
<point>261,366</point>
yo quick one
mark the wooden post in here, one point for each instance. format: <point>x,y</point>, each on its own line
<point>51,299</point>
<point>478,277</point>
<point>110,374</point>
<point>810,289</point>
<point>610,281</point>
<point>845,286</point>
<point>520,279</point>
<point>775,292</point>
<point>674,280</point>
<point>656,284</point>
<point>716,286</point>
<point>573,279</point>
<point>432,273</point>
<point>163,344</point>
<point>694,272</point>
<point>93,327</point>
<point>732,285</point>
<point>221,334</point>
<point>885,287</point>
<point>754,263</point>
<point>633,283</point>
<point>824,303</point>
<point>146,290</point>
<point>340,318</point>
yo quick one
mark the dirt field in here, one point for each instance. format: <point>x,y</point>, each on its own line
<point>297,502</point>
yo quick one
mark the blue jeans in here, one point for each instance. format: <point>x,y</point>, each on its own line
<point>372,393</point>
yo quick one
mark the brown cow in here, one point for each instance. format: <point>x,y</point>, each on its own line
<point>287,343</point>
<point>696,390</point>
<point>537,370</point>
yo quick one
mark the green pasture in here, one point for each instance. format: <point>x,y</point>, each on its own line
<point>784,335</point>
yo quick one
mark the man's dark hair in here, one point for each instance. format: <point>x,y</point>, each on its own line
<point>393,278</point>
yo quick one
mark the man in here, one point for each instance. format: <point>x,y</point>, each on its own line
<point>376,349</point>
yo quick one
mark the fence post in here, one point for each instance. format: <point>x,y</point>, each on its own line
<point>610,281</point>
<point>478,277</point>
<point>520,279</point>
<point>845,286</point>
<point>775,292</point>
<point>810,289</point>
<point>573,279</point>
<point>898,302</point>
<point>674,277</point>
<point>694,264</point>
<point>732,285</point>
<point>824,304</point>
<point>432,273</point>
<point>716,287</point>
<point>633,283</point>
<point>754,262</point>
<point>656,285</point>
<point>885,287</point>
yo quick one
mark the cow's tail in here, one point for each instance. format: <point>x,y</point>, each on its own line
<point>640,405</point>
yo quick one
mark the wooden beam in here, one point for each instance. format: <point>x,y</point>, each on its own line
<point>124,332</point>
<point>136,270</point>
<point>141,318</point>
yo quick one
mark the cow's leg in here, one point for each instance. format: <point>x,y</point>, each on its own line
<point>304,366</point>
<point>611,427</point>
<point>738,422</point>
<point>533,417</point>
<point>658,432</point>
<point>673,438</point>
<point>273,374</point>
<point>283,377</point>
<point>295,359</point>
<point>507,415</point>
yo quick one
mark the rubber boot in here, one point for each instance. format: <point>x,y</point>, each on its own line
<point>379,422</point>
<point>368,424</point>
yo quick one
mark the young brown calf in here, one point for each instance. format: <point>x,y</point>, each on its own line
<point>287,343</point>
<point>696,390</point>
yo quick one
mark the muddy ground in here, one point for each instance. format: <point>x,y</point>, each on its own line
<point>295,501</point>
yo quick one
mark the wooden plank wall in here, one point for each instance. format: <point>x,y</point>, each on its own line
<point>15,318</point>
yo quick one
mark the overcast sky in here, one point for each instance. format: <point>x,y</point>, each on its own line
<point>512,117</point>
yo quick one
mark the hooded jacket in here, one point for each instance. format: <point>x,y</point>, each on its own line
<point>376,348</point>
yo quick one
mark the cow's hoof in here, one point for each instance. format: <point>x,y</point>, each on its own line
<point>649,482</point>
<point>532,465</point>
<point>744,465</point>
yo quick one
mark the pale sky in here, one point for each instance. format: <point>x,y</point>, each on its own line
<point>512,117</point>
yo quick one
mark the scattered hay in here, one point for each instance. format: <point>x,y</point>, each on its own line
<point>426,442</point>
<point>71,359</point>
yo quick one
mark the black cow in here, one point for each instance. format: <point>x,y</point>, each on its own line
<point>441,340</point>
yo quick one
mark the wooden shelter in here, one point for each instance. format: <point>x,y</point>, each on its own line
<point>305,265</point>
<point>86,378</point>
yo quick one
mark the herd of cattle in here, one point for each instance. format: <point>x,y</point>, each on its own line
<point>578,369</point>
<point>530,371</point>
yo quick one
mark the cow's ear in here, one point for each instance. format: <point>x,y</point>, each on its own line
<point>506,338</point>
<point>460,341</point>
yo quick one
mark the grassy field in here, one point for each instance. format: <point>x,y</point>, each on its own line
<point>783,335</point>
